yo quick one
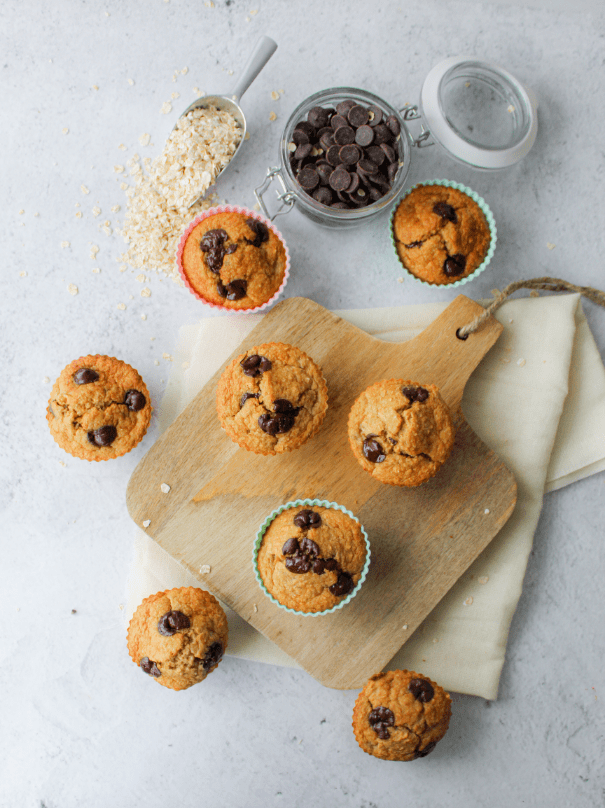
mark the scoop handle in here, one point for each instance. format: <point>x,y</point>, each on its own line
<point>264,50</point>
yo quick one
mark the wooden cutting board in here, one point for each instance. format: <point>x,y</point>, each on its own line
<point>422,539</point>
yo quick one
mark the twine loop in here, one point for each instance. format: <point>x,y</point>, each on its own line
<point>548,284</point>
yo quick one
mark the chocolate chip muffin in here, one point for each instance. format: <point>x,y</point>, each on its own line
<point>311,557</point>
<point>401,715</point>
<point>99,408</point>
<point>271,399</point>
<point>178,636</point>
<point>234,260</point>
<point>440,233</point>
<point>401,432</point>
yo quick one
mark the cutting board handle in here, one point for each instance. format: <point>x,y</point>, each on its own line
<point>456,358</point>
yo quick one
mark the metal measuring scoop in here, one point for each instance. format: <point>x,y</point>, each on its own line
<point>264,50</point>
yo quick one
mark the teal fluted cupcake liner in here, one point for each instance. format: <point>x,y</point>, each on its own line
<point>309,503</point>
<point>490,222</point>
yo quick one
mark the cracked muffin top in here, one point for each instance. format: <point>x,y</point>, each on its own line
<point>99,408</point>
<point>178,636</point>
<point>401,432</point>
<point>401,715</point>
<point>440,233</point>
<point>234,260</point>
<point>271,399</point>
<point>311,557</point>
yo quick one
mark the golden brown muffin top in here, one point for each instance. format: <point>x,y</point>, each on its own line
<point>234,260</point>
<point>99,408</point>
<point>440,233</point>
<point>311,557</point>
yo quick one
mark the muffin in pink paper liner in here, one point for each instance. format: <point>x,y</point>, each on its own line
<point>234,259</point>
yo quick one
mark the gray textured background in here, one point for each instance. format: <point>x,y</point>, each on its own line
<point>80,725</point>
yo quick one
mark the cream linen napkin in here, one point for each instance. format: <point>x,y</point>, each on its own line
<point>516,400</point>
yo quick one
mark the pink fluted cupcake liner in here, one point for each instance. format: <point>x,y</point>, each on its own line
<point>252,214</point>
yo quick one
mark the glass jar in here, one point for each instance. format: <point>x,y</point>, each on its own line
<point>292,193</point>
<point>477,112</point>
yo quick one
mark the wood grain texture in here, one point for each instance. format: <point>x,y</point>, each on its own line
<point>422,539</point>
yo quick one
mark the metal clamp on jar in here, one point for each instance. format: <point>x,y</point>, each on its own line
<point>478,113</point>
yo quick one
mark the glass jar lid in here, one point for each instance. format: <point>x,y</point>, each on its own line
<point>479,113</point>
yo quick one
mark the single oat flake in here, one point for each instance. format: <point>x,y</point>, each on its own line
<point>122,306</point>
<point>72,289</point>
<point>468,601</point>
<point>65,244</point>
<point>205,569</point>
<point>164,488</point>
<point>145,292</point>
<point>147,522</point>
<point>483,579</point>
<point>166,108</point>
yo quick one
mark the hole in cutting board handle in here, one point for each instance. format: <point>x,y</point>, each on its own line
<point>460,336</point>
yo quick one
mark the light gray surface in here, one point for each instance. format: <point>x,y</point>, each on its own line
<point>80,724</point>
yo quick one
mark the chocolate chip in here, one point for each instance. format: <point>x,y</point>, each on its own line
<point>445,211</point>
<point>290,547</point>
<point>344,584</point>
<point>364,136</point>
<point>415,393</point>
<point>327,140</point>
<point>318,117</point>
<point>374,115</point>
<point>373,451</point>
<point>85,376</point>
<point>355,182</point>
<point>308,178</point>
<point>380,719</point>
<point>339,121</point>
<point>134,400</point>
<point>413,244</point>
<point>212,656</point>
<point>265,364</point>
<point>389,152</point>
<point>422,690</point>
<point>333,155</point>
<point>366,166</point>
<point>340,179</point>
<point>104,436</point>
<point>149,667</point>
<point>299,137</point>
<point>392,171</point>
<point>171,622</point>
<point>230,249</point>
<point>344,135</point>
<point>307,519</point>
<point>298,564</point>
<point>304,150</point>
<point>381,134</point>
<point>393,125</point>
<point>350,154</point>
<point>305,127</point>
<point>454,265</point>
<point>260,230</point>
<point>344,107</point>
<point>282,405</point>
<point>318,566</point>
<point>324,170</point>
<point>251,363</point>
<point>331,564</point>
<point>277,424</point>
<point>340,205</point>
<point>234,290</point>
<point>308,547</point>
<point>420,753</point>
<point>322,195</point>
<point>358,116</point>
<point>245,398</point>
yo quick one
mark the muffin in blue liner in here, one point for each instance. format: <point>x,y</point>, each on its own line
<point>311,556</point>
<point>443,233</point>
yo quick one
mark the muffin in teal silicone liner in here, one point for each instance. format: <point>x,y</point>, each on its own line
<point>443,233</point>
<point>311,556</point>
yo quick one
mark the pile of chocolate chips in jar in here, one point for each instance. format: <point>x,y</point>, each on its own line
<point>345,157</point>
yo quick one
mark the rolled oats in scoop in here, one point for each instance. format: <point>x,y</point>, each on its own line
<point>197,150</point>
